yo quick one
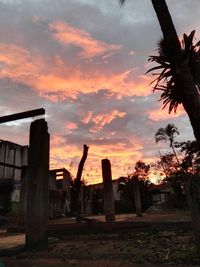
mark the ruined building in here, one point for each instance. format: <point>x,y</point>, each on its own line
<point>12,158</point>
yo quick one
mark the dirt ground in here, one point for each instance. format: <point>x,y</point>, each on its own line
<point>73,263</point>
<point>116,249</point>
<point>119,249</point>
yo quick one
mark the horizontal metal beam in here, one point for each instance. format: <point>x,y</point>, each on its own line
<point>22,115</point>
<point>10,165</point>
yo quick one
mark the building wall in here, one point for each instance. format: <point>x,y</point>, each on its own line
<point>13,154</point>
<point>97,191</point>
<point>16,155</point>
<point>59,193</point>
<point>59,185</point>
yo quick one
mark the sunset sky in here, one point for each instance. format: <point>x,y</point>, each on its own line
<point>84,61</point>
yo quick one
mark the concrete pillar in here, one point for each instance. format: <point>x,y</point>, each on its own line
<point>37,187</point>
<point>109,208</point>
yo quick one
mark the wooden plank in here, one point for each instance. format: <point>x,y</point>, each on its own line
<point>22,115</point>
<point>60,228</point>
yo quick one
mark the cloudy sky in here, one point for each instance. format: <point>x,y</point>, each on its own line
<point>84,61</point>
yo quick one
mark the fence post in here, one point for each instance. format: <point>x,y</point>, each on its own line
<point>109,208</point>
<point>37,186</point>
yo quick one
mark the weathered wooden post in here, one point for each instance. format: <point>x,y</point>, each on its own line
<point>37,187</point>
<point>78,182</point>
<point>109,208</point>
<point>137,197</point>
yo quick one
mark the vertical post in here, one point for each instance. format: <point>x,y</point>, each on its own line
<point>2,159</point>
<point>66,187</point>
<point>23,195</point>
<point>23,162</point>
<point>193,198</point>
<point>37,187</point>
<point>78,182</point>
<point>108,191</point>
<point>137,198</point>
<point>82,200</point>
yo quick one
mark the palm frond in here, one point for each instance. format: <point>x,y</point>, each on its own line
<point>160,135</point>
<point>167,79</point>
<point>167,133</point>
<point>171,129</point>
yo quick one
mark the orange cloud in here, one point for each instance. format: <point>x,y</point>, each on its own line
<point>102,119</point>
<point>16,63</point>
<point>72,126</point>
<point>66,34</point>
<point>58,81</point>
<point>87,118</point>
<point>162,114</point>
<point>122,158</point>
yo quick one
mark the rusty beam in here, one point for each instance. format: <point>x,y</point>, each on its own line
<point>22,115</point>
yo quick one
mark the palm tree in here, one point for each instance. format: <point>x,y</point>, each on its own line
<point>167,134</point>
<point>187,90</point>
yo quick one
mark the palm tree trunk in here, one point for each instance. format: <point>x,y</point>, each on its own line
<point>190,94</point>
<point>193,197</point>
<point>167,26</point>
<point>162,164</point>
<point>190,100</point>
<point>191,104</point>
<point>173,149</point>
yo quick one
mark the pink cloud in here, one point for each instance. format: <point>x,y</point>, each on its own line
<point>102,119</point>
<point>87,118</point>
<point>59,81</point>
<point>72,126</point>
<point>66,34</point>
<point>162,114</point>
<point>17,63</point>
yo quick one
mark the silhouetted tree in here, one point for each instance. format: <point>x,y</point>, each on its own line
<point>134,187</point>
<point>190,156</point>
<point>174,175</point>
<point>177,173</point>
<point>182,88</point>
<point>167,134</point>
